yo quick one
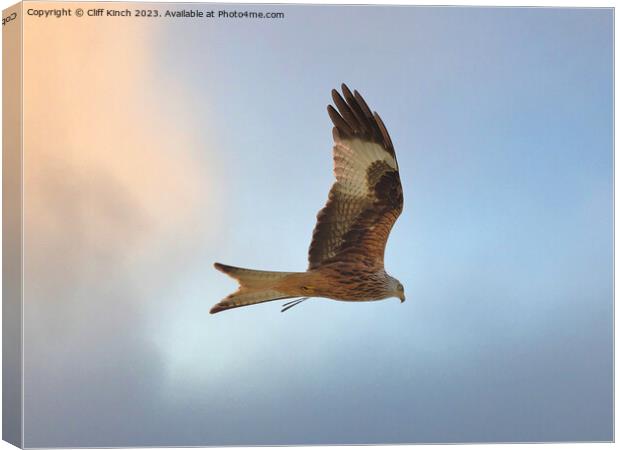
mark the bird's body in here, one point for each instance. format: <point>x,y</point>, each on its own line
<point>348,242</point>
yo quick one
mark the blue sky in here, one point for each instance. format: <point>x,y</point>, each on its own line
<point>502,123</point>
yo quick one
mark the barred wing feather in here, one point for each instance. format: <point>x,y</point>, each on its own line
<point>366,199</point>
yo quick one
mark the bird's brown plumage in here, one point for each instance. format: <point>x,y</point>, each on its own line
<point>367,197</point>
<point>349,239</point>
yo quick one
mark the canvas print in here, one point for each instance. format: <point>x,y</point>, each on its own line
<point>413,205</point>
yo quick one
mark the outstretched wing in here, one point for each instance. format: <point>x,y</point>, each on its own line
<point>367,197</point>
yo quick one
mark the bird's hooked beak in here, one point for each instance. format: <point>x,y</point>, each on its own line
<point>402,297</point>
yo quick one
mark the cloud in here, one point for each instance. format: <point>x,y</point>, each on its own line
<point>117,205</point>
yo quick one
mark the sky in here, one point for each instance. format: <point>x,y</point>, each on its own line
<point>154,148</point>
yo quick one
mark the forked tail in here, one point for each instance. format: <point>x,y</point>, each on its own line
<point>255,286</point>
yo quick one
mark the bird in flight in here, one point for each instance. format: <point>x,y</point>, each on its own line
<point>352,229</point>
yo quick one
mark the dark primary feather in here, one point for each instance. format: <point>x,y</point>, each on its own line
<point>355,119</point>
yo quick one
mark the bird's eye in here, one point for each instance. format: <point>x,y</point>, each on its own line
<point>400,287</point>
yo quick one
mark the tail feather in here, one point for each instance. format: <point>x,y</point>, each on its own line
<point>255,286</point>
<point>251,278</point>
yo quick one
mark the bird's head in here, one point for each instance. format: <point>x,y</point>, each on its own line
<point>397,289</point>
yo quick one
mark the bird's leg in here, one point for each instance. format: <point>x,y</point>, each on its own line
<point>290,304</point>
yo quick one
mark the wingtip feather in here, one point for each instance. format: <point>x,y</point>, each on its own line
<point>345,88</point>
